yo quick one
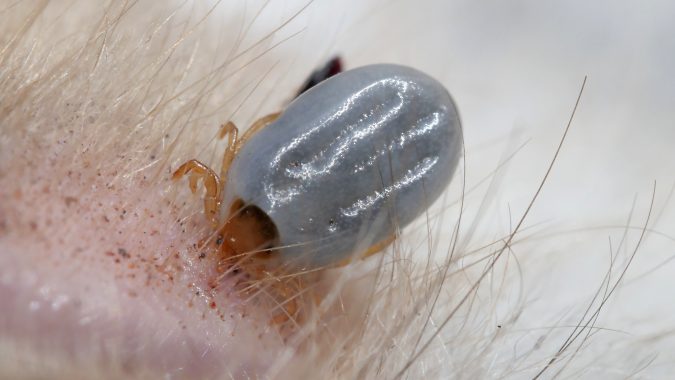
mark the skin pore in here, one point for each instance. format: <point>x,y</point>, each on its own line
<point>104,269</point>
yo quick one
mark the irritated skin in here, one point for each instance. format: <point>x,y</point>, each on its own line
<point>104,270</point>
<point>107,278</point>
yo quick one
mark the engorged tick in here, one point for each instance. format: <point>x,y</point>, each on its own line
<point>349,162</point>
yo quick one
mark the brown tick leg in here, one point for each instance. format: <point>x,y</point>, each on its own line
<point>373,249</point>
<point>232,133</point>
<point>286,293</point>
<point>211,182</point>
<point>377,247</point>
<point>234,142</point>
<point>257,126</point>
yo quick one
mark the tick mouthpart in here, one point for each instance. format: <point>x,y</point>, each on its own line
<point>248,232</point>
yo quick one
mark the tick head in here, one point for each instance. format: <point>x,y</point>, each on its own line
<point>249,233</point>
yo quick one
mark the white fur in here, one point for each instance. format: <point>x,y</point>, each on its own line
<point>98,103</point>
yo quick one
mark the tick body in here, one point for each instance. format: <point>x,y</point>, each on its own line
<point>348,162</point>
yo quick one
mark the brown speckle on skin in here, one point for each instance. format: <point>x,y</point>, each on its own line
<point>70,201</point>
<point>123,252</point>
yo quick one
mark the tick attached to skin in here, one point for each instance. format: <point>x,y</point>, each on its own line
<point>337,174</point>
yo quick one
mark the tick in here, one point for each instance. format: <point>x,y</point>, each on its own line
<point>349,162</point>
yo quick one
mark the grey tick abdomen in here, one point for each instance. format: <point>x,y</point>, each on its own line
<point>350,161</point>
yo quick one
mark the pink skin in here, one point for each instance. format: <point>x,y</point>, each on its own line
<point>102,270</point>
<point>108,273</point>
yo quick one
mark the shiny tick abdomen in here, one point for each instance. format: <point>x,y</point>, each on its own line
<point>350,161</point>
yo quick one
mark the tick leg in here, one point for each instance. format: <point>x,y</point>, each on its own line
<point>288,302</point>
<point>234,142</point>
<point>232,133</point>
<point>211,182</point>
<point>257,126</point>
<point>373,249</point>
<point>377,247</point>
<point>283,291</point>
